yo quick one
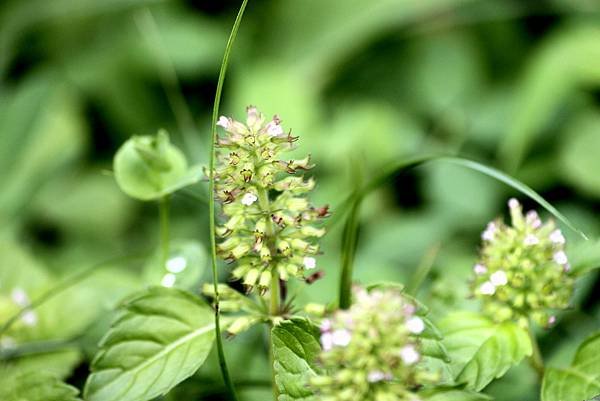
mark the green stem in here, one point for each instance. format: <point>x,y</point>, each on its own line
<point>274,311</point>
<point>349,243</point>
<point>64,285</point>
<point>163,211</point>
<point>274,303</point>
<point>536,359</point>
<point>419,276</point>
<point>211,203</point>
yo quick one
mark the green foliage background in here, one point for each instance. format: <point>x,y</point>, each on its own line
<point>513,84</point>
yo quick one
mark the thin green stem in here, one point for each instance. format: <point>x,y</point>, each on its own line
<point>274,310</point>
<point>349,243</point>
<point>60,287</point>
<point>350,237</point>
<point>211,203</point>
<point>163,211</point>
<point>274,295</point>
<point>536,360</point>
<point>423,270</point>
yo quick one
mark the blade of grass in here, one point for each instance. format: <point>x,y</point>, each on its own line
<point>354,202</point>
<point>516,184</point>
<point>211,202</point>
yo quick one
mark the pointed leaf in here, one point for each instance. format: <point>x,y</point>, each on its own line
<point>578,382</point>
<point>295,348</point>
<point>482,350</point>
<point>161,337</point>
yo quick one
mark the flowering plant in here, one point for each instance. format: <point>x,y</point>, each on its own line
<point>366,342</point>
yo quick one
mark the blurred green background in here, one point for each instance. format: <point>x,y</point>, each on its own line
<point>513,84</point>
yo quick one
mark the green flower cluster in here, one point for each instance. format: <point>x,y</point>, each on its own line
<point>523,270</point>
<point>270,229</point>
<point>371,351</point>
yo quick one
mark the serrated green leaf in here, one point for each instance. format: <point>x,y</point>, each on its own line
<point>579,381</point>
<point>434,349</point>
<point>36,386</point>
<point>295,348</point>
<point>482,350</point>
<point>161,337</point>
<point>452,394</point>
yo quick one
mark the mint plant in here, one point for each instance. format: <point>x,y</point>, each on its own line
<point>523,271</point>
<point>372,341</point>
<point>269,238</point>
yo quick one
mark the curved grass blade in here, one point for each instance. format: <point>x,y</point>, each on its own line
<point>211,202</point>
<point>354,201</point>
<point>516,184</point>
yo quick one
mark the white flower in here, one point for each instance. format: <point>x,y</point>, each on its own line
<point>409,309</point>
<point>557,237</point>
<point>533,219</point>
<point>560,257</point>
<point>487,288</point>
<point>375,376</point>
<point>513,203</point>
<point>29,318</point>
<point>415,325</point>
<point>176,264</point>
<point>479,269</point>
<point>551,320</point>
<point>310,262</point>
<point>531,239</point>
<point>327,341</point>
<point>273,127</point>
<point>168,280</point>
<point>249,198</point>
<point>341,337</point>
<point>19,296</point>
<point>325,325</point>
<point>253,116</point>
<point>490,230</point>
<point>223,122</point>
<point>409,355</point>
<point>498,278</point>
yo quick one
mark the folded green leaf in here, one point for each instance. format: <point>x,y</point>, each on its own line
<point>295,348</point>
<point>578,382</point>
<point>150,167</point>
<point>481,350</point>
<point>36,386</point>
<point>161,337</point>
